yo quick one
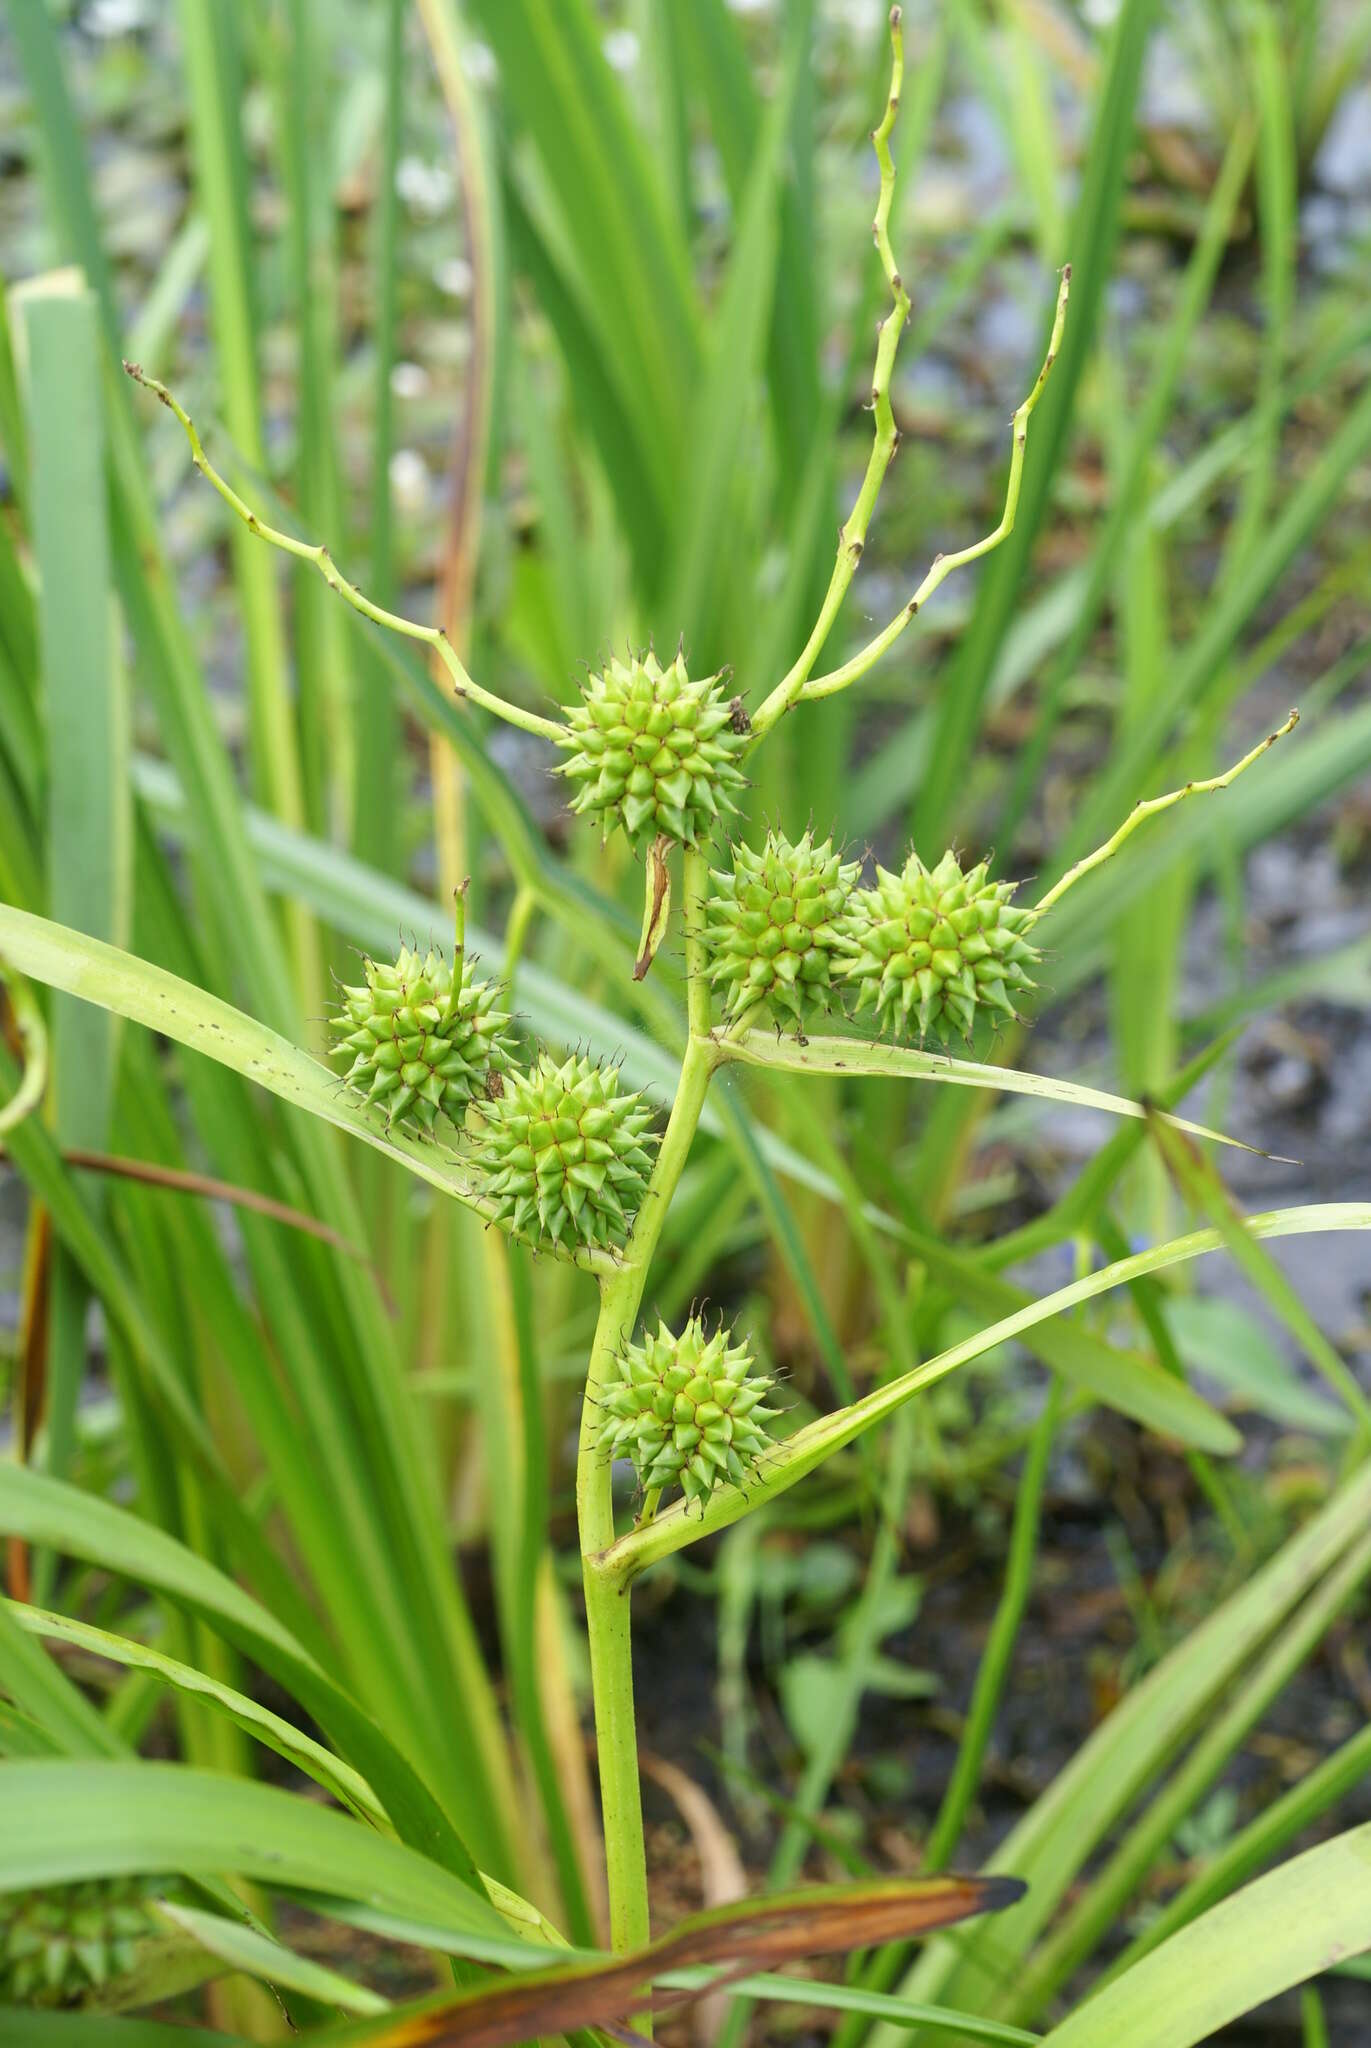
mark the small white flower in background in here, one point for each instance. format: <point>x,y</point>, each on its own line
<point>621,49</point>
<point>478,60</point>
<point>426,187</point>
<point>409,480</point>
<point>752,6</point>
<point>116,17</point>
<point>857,16</point>
<point>454,277</point>
<point>409,380</point>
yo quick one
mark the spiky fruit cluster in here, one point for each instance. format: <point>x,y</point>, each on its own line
<point>775,925</point>
<point>565,1154</point>
<point>60,1944</point>
<point>687,1410</point>
<point>938,946</point>
<point>653,750</point>
<point>422,1040</point>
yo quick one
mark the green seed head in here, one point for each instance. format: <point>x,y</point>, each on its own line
<point>775,926</point>
<point>939,947</point>
<point>653,751</point>
<point>59,1945</point>
<point>687,1410</point>
<point>421,1040</point>
<point>565,1155</point>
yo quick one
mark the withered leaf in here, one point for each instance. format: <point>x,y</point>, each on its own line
<point>756,1934</point>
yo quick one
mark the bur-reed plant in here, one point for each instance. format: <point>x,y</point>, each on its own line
<point>557,1154</point>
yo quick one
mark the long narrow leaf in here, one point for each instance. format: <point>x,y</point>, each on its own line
<point>67,1821</point>
<point>1282,1930</point>
<point>345,1784</point>
<point>811,1446</point>
<point>162,1002</point>
<point>1065,1826</point>
<point>1094,232</point>
<point>82,1525</point>
<point>912,1063</point>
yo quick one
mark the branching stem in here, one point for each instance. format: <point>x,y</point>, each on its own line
<point>852,536</point>
<point>318,554</point>
<point>852,671</point>
<point>1151,806</point>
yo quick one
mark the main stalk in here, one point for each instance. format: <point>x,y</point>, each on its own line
<point>606,1590</point>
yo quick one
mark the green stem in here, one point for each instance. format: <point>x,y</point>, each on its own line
<point>317,554</point>
<point>1140,813</point>
<point>999,1649</point>
<point>606,1586</point>
<point>852,671</point>
<point>852,538</point>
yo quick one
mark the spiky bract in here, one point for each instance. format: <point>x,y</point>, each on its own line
<point>422,1040</point>
<point>935,947</point>
<point>59,1944</point>
<point>687,1410</point>
<point>775,926</point>
<point>565,1154</point>
<point>653,750</point>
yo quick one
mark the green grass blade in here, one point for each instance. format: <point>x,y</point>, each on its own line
<point>259,1955</point>
<point>1130,484</point>
<point>1282,1930</point>
<point>737,115</point>
<point>1127,1381</point>
<point>638,463</point>
<point>87,719</point>
<point>347,1786</point>
<point>1107,1894</point>
<point>166,663</point>
<point>33,2029</point>
<point>1200,663</point>
<point>857,1056</point>
<point>65,1821</point>
<point>853,1998</point>
<point>1277,183</point>
<point>39,1687</point>
<point>628,248</point>
<point>1206,1192</point>
<point>1053,1842</point>
<point>1094,233</point>
<point>214,78</point>
<point>83,1525</point>
<point>1270,1831</point>
<point>375,837</point>
<point>719,416</point>
<point>298,75</point>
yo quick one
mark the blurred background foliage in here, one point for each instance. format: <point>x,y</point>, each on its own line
<point>556,321</point>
